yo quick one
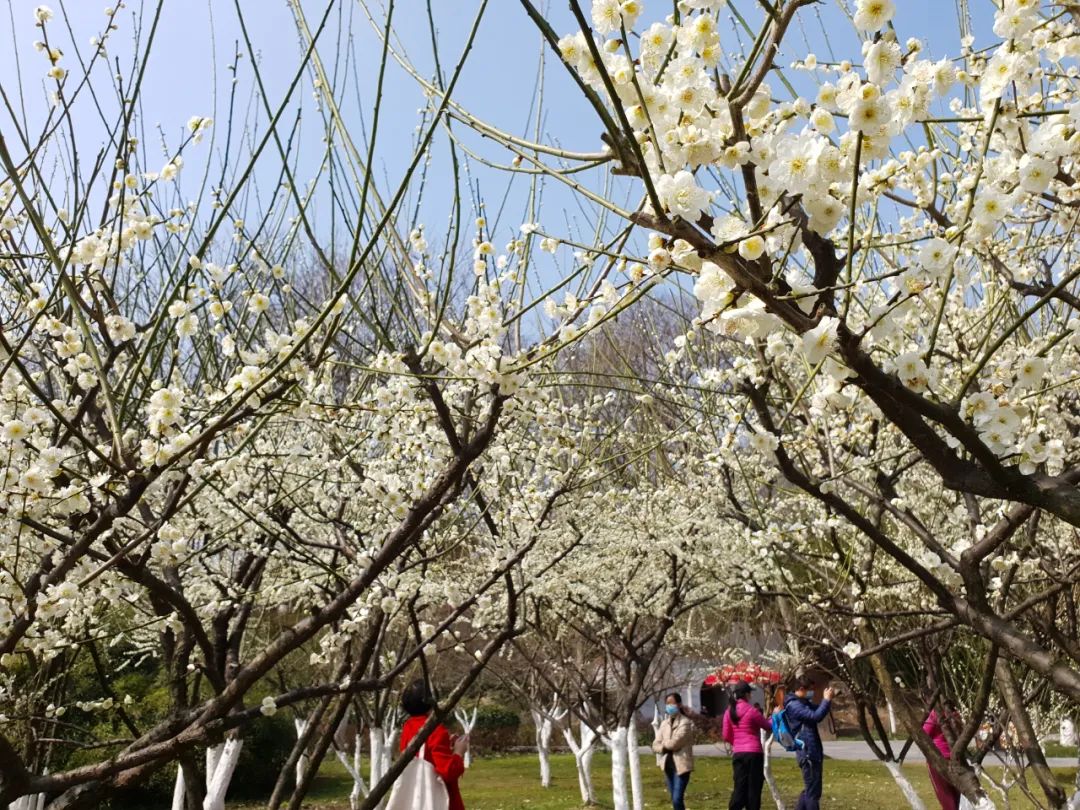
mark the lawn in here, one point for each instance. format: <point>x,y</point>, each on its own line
<point>512,782</point>
<point>1053,749</point>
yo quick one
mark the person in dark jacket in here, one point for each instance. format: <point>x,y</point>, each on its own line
<point>803,716</point>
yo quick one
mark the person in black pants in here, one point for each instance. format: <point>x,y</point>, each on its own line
<point>803,716</point>
<point>743,724</point>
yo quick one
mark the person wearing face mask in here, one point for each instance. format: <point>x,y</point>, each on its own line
<point>674,747</point>
<point>803,716</point>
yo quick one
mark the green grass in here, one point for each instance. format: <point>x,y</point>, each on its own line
<point>512,782</point>
<point>1053,749</point>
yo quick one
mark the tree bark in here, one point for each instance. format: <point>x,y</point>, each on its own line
<point>1029,743</point>
<point>955,770</point>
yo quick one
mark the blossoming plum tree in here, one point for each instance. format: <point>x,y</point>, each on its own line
<point>229,449</point>
<point>891,237</point>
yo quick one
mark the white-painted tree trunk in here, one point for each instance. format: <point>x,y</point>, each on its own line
<point>382,745</point>
<point>543,724</point>
<point>302,761</point>
<point>617,744</point>
<point>390,738</point>
<point>637,790</point>
<point>377,747</point>
<point>34,802</point>
<point>1067,731</point>
<point>583,753</point>
<point>223,758</point>
<point>353,766</point>
<point>905,786</point>
<point>770,780</point>
<point>585,767</point>
<point>468,723</point>
<point>892,718</point>
<point>985,803</point>
<point>179,790</point>
<point>213,757</point>
<point>221,762</point>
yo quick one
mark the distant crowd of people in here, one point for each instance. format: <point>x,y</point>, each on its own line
<point>741,727</point>
<point>430,780</point>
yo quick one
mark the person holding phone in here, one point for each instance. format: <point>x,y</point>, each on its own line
<point>804,716</point>
<point>446,752</point>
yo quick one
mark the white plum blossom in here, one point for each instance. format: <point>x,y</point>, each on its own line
<point>1030,372</point>
<point>819,342</point>
<point>682,196</point>
<point>764,443</point>
<point>873,15</point>
<point>1036,173</point>
<point>936,256</point>
<point>752,248</point>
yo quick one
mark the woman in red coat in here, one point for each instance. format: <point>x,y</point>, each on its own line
<point>442,749</point>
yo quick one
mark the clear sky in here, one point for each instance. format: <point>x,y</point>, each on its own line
<point>188,72</point>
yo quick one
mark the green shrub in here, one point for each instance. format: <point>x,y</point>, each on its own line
<point>267,743</point>
<point>496,729</point>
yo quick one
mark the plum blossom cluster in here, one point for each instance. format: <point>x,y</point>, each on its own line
<point>944,188</point>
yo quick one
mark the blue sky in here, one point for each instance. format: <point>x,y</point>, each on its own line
<point>188,72</point>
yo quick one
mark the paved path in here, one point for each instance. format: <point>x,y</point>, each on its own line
<point>855,751</point>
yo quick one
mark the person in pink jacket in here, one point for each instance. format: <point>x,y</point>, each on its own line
<point>743,723</point>
<point>947,795</point>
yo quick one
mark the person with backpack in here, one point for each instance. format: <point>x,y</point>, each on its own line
<point>674,748</point>
<point>743,724</point>
<point>445,752</point>
<point>934,727</point>
<point>802,716</point>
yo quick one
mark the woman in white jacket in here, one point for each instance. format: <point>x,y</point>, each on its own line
<point>674,747</point>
